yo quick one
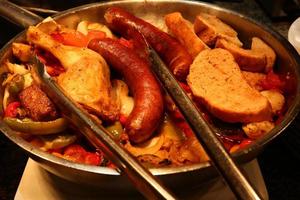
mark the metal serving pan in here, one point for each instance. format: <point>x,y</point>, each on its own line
<point>153,10</point>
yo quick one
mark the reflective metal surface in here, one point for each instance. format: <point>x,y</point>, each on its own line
<point>287,61</point>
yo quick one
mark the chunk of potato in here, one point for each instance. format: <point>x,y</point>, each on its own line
<point>275,98</point>
<point>255,130</point>
<point>22,51</point>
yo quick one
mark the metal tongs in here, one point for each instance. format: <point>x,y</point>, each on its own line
<point>142,179</point>
<point>203,131</point>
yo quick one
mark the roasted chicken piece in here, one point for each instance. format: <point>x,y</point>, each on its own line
<point>87,76</point>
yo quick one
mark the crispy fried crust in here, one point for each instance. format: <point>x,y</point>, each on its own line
<point>183,31</point>
<point>37,104</point>
<point>216,80</point>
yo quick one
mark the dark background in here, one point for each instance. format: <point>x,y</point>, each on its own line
<point>278,162</point>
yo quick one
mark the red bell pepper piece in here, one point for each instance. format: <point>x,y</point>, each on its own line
<point>123,119</point>
<point>72,38</point>
<point>11,109</point>
<point>78,154</point>
<point>272,81</point>
<point>94,34</point>
<point>76,38</point>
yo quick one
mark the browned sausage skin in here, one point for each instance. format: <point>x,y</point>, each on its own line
<point>148,100</point>
<point>171,51</point>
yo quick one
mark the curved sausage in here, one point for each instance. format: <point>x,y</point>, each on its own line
<point>148,100</point>
<point>171,51</point>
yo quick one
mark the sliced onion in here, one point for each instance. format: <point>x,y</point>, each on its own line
<point>149,147</point>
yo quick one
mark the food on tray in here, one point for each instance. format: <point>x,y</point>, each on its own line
<point>260,47</point>
<point>85,73</point>
<point>183,31</point>
<point>105,68</point>
<point>148,106</point>
<point>216,80</point>
<point>209,28</point>
<point>171,51</point>
<point>254,79</point>
<point>247,60</point>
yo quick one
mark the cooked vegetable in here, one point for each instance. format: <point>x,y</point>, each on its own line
<point>115,129</point>
<point>16,85</point>
<point>240,146</point>
<point>126,102</point>
<point>36,128</point>
<point>16,69</point>
<point>22,51</point>
<point>77,153</point>
<point>57,141</point>
<point>11,109</point>
<point>275,98</point>
<point>255,130</point>
<point>151,146</point>
<point>76,38</point>
<point>86,27</point>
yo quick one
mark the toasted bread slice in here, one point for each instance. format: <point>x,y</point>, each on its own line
<point>216,80</point>
<point>209,28</point>
<point>183,31</point>
<point>254,79</point>
<point>247,59</point>
<point>261,47</point>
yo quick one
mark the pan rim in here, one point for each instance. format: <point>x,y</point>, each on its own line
<point>289,115</point>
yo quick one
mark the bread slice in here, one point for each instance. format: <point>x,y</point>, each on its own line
<point>260,47</point>
<point>216,80</point>
<point>254,79</point>
<point>247,59</point>
<point>209,28</point>
<point>184,33</point>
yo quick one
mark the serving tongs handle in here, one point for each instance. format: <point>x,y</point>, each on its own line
<point>143,180</point>
<point>205,134</point>
<point>18,15</point>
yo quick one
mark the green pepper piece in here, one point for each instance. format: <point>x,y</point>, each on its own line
<point>36,128</point>
<point>115,129</point>
<point>16,85</point>
<point>57,141</point>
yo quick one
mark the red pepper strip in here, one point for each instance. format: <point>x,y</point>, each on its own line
<point>72,38</point>
<point>185,87</point>
<point>242,145</point>
<point>123,119</point>
<point>94,34</point>
<point>245,143</point>
<point>11,109</point>
<point>77,153</point>
<point>53,65</point>
<point>76,38</point>
<point>272,81</point>
<point>54,71</point>
<point>92,158</point>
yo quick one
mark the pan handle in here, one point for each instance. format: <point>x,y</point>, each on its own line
<point>17,15</point>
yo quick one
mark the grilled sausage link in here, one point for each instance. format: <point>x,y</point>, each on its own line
<point>148,100</point>
<point>171,51</point>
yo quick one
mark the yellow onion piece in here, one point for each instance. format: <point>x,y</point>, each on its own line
<point>171,131</point>
<point>149,147</point>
